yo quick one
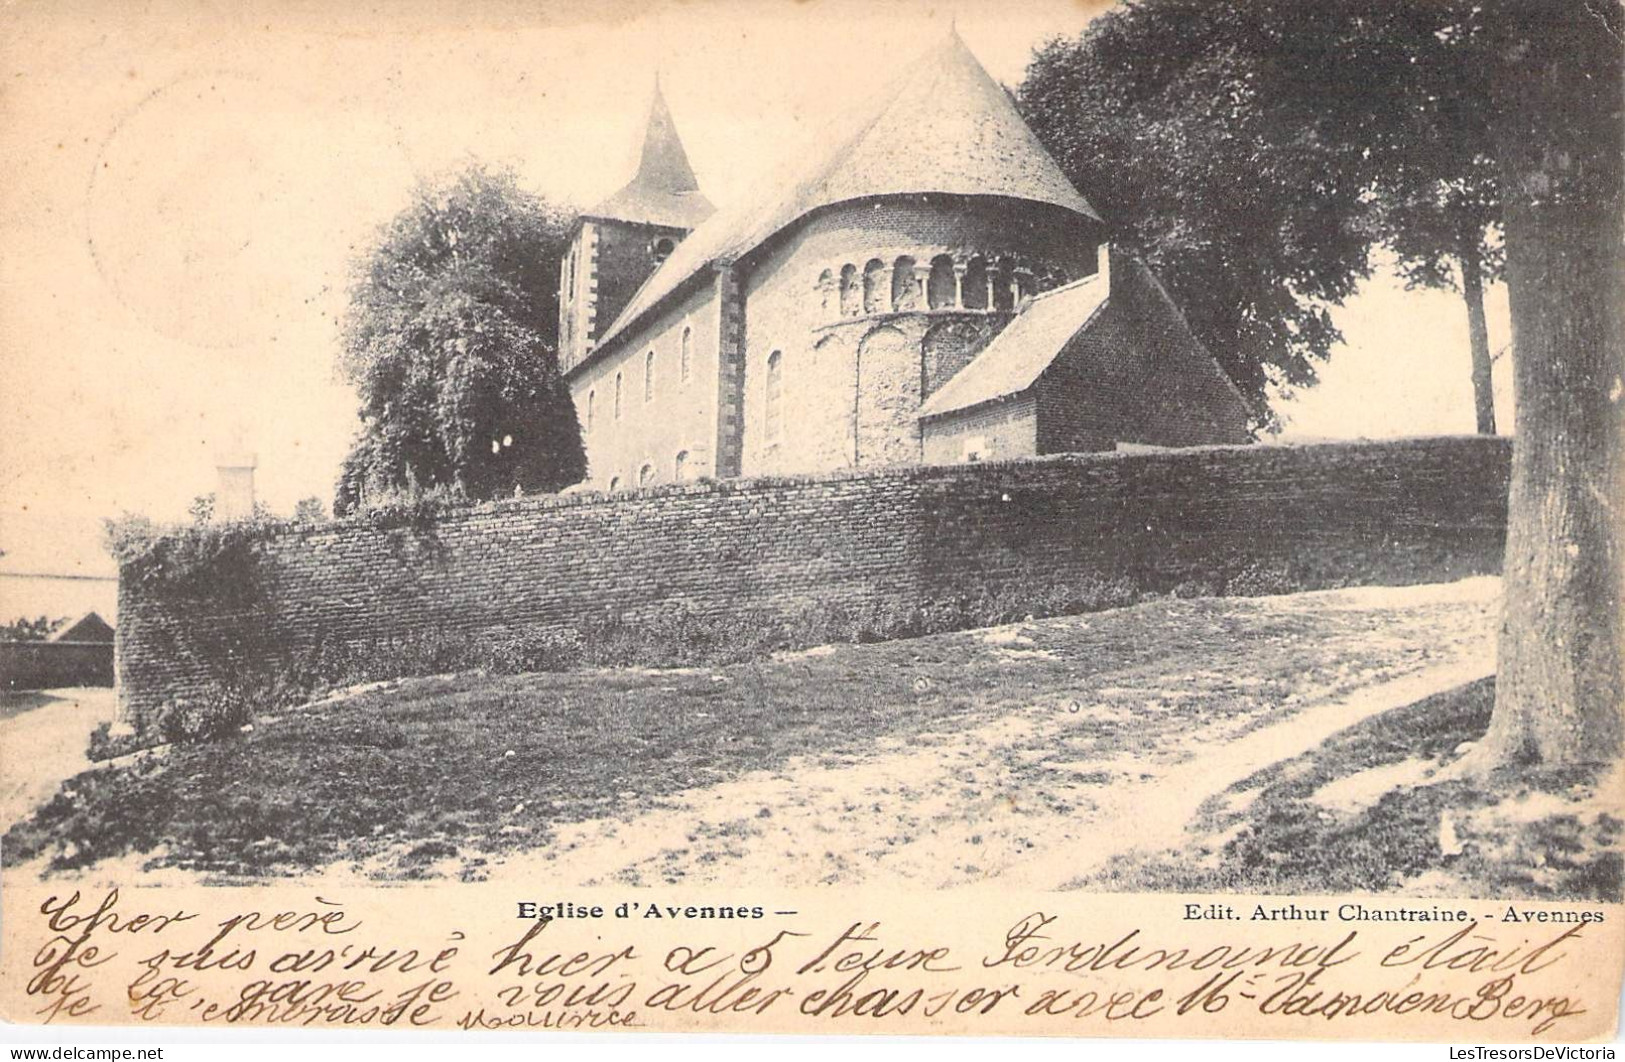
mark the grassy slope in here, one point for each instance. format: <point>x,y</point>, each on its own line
<point>472,765</point>
<point>1530,833</point>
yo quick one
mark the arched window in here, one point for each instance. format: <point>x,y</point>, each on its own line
<point>905,290</point>
<point>686,354</point>
<point>646,475</point>
<point>1003,276</point>
<point>592,401</point>
<point>772,406</point>
<point>614,482</point>
<point>649,376</point>
<point>617,396</point>
<point>851,296</point>
<point>679,467</point>
<point>874,284</point>
<point>826,290</point>
<point>976,284</point>
<point>940,289</point>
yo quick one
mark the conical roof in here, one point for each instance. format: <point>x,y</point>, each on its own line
<point>664,191</point>
<point>944,126</point>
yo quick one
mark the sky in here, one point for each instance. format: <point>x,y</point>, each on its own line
<point>187,185</point>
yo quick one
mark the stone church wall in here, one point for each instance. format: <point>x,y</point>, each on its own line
<point>679,417</point>
<point>993,431</point>
<point>623,259</point>
<point>852,382</point>
<point>1226,519</point>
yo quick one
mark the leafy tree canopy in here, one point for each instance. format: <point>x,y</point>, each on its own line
<point>24,629</point>
<point>1270,131</point>
<point>1255,153</point>
<point>1240,200</point>
<point>450,342</point>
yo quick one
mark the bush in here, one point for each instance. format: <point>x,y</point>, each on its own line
<point>106,743</point>
<point>183,721</point>
<point>417,508</point>
<point>544,649</point>
<point>1261,580</point>
<point>207,560</point>
<point>189,721</point>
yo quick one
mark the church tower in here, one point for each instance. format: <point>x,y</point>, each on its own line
<point>619,242</point>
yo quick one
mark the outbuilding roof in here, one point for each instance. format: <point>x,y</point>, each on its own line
<point>944,126</point>
<point>88,628</point>
<point>1019,354</point>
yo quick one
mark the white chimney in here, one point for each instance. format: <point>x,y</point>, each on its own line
<point>1104,268</point>
<point>234,494</point>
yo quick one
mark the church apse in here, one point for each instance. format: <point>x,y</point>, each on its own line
<point>875,305</point>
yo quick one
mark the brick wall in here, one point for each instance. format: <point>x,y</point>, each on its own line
<point>1396,512</point>
<point>1137,375</point>
<point>996,431</point>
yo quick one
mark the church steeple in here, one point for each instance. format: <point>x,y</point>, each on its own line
<point>623,239</point>
<point>664,191</point>
<point>664,164</point>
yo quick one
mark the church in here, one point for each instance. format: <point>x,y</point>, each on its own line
<point>930,289</point>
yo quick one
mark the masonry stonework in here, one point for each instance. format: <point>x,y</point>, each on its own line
<point>993,431</point>
<point>1336,514</point>
<point>856,371</point>
<point>677,418</point>
<point>1094,389</point>
<point>899,275</point>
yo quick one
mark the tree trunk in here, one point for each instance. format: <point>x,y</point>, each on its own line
<point>1478,333</point>
<point>1559,687</point>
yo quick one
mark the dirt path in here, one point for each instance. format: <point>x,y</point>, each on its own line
<point>43,744</point>
<point>1160,807</point>
<point>1026,797</point>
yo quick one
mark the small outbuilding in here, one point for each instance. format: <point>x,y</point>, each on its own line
<point>78,654</point>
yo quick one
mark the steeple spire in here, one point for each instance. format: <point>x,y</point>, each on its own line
<point>664,191</point>
<point>664,164</point>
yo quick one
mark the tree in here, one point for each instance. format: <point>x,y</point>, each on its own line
<point>1539,85</point>
<point>202,509</point>
<point>1439,209</point>
<point>1443,233</point>
<point>24,629</point>
<point>1555,84</point>
<point>450,343</point>
<point>309,511</point>
<point>1247,210</point>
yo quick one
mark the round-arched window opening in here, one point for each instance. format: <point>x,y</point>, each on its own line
<point>662,247</point>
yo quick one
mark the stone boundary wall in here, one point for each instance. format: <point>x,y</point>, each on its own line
<point>1207,520</point>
